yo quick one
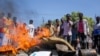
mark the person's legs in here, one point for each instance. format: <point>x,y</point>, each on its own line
<point>78,35</point>
<point>95,42</point>
<point>69,39</point>
<point>74,43</point>
<point>79,40</point>
<point>98,45</point>
<point>5,40</point>
<point>83,37</point>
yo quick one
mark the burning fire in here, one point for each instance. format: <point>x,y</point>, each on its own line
<point>18,37</point>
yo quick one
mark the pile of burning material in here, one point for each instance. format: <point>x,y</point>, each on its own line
<point>61,46</point>
<point>22,41</point>
<point>7,50</point>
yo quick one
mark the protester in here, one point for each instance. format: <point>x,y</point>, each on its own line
<point>57,26</point>
<point>61,28</point>
<point>51,28</point>
<point>15,21</point>
<point>74,36</point>
<point>35,32</point>
<point>2,25</point>
<point>96,33</point>
<point>82,29</point>
<point>9,16</point>
<point>9,20</point>
<point>31,28</point>
<point>39,30</point>
<point>8,29</point>
<point>9,23</point>
<point>67,27</point>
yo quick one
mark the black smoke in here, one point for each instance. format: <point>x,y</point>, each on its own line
<point>18,8</point>
<point>8,6</point>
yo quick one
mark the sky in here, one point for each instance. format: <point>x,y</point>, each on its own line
<point>51,9</point>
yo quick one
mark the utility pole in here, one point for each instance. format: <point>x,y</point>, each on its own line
<point>43,20</point>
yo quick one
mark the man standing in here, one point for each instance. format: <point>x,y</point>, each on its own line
<point>61,28</point>
<point>51,28</point>
<point>57,26</point>
<point>7,29</point>
<point>96,34</point>
<point>31,28</point>
<point>9,23</point>
<point>2,25</point>
<point>15,21</point>
<point>67,28</point>
<point>9,20</point>
<point>82,29</point>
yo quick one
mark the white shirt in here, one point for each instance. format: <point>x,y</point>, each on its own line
<point>97,26</point>
<point>31,30</point>
<point>5,41</point>
<point>67,28</point>
<point>57,30</point>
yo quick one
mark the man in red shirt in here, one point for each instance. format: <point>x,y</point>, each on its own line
<point>82,29</point>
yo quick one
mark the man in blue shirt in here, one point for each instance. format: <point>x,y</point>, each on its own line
<point>96,34</point>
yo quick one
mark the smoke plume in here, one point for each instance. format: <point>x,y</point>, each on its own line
<point>18,8</point>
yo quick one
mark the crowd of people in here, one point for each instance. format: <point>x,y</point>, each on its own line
<point>10,26</point>
<point>76,33</point>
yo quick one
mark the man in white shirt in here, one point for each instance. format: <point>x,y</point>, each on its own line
<point>31,28</point>
<point>67,27</point>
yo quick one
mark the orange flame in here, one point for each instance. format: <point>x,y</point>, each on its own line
<point>20,39</point>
